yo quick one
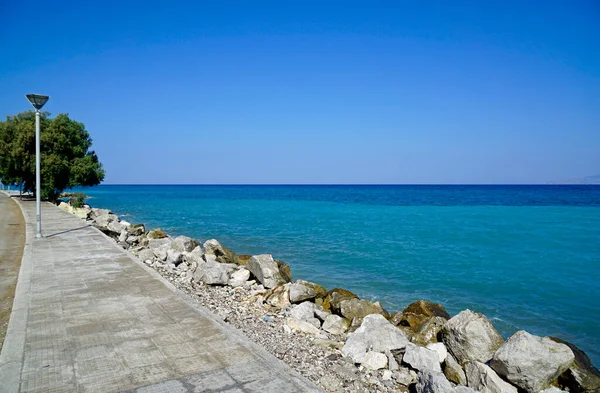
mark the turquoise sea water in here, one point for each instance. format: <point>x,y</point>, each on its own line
<point>528,257</point>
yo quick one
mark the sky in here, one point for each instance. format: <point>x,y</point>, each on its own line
<point>334,92</point>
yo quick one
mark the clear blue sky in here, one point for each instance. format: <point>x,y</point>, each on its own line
<point>316,92</point>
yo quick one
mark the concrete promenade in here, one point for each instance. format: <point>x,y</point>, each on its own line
<point>89,317</point>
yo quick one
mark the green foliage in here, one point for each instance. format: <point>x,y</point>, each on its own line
<point>66,160</point>
<point>75,199</point>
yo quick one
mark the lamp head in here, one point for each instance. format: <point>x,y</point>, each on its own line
<point>37,100</point>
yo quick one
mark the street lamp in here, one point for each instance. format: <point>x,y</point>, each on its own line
<point>38,102</point>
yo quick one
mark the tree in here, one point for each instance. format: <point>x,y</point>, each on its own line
<point>66,160</point>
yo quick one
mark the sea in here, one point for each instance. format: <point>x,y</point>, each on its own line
<point>526,256</point>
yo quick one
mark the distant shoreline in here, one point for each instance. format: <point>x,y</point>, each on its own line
<point>350,185</point>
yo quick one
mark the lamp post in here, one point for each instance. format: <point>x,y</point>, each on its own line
<point>38,102</point>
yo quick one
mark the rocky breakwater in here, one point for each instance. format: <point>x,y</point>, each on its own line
<point>347,344</point>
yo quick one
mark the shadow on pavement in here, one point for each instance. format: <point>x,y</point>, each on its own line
<point>67,231</point>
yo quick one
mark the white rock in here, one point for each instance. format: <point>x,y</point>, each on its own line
<point>195,255</point>
<point>174,257</point>
<point>305,312</point>
<point>239,277</point>
<point>485,380</point>
<point>376,333</point>
<point>82,212</point>
<point>441,350</point>
<point>184,244</point>
<point>531,362</point>
<point>374,360</point>
<point>321,313</point>
<point>213,273</point>
<point>279,296</point>
<point>392,363</point>
<point>405,376</point>
<point>433,382</point>
<point>265,269</point>
<point>471,336</point>
<point>421,358</point>
<point>115,226</point>
<point>145,255</point>
<point>212,246</point>
<point>102,220</point>
<point>161,252</point>
<point>301,326</point>
<point>464,389</point>
<point>66,207</point>
<point>553,389</point>
<point>210,258</point>
<point>335,324</point>
<point>301,290</point>
<point>157,243</point>
<point>386,375</point>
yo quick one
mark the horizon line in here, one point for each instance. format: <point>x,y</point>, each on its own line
<point>346,184</point>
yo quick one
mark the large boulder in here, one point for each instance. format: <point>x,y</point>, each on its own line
<point>360,308</point>
<point>471,336</point>
<point>196,255</point>
<point>301,290</point>
<point>161,252</point>
<point>374,360</point>
<point>301,326</point>
<point>222,253</point>
<point>464,389</point>
<point>96,212</point>
<point>65,207</point>
<point>116,226</point>
<point>440,349</point>
<point>483,379</point>
<point>279,296</point>
<point>239,277</point>
<point>428,332</point>
<point>174,257</point>
<point>321,313</point>
<point>453,371</point>
<point>418,313</point>
<point>156,234</point>
<point>242,259</point>
<point>421,358</point>
<point>145,255</point>
<point>305,312</point>
<point>102,220</point>
<point>335,297</point>
<point>531,362</point>
<point>375,333</point>
<point>433,382</point>
<point>427,308</point>
<point>284,270</point>
<point>335,324</point>
<point>136,229</point>
<point>213,273</point>
<point>581,376</point>
<point>82,212</point>
<point>265,269</point>
<point>184,244</point>
<point>158,243</point>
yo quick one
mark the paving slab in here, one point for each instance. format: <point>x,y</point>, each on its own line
<point>90,317</point>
